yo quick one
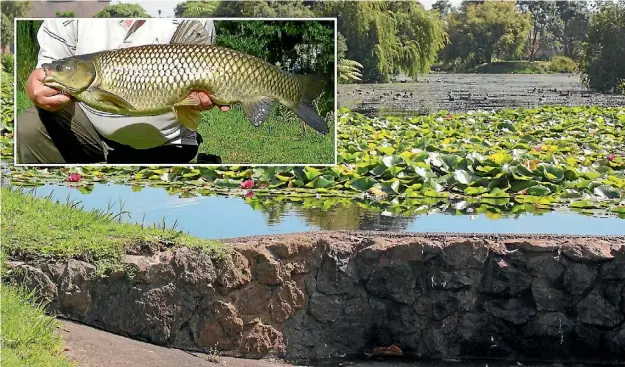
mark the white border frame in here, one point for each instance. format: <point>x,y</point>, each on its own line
<point>335,20</point>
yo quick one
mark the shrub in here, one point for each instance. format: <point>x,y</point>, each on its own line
<point>563,64</point>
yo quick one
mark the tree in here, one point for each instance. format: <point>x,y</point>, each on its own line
<point>260,8</point>
<point>65,14</point>
<point>386,36</point>
<point>347,70</point>
<point>547,26</point>
<point>442,7</point>
<point>196,9</point>
<point>601,65</point>
<point>122,10</point>
<point>484,31</point>
<point>419,37</point>
<point>575,17</point>
<point>10,11</point>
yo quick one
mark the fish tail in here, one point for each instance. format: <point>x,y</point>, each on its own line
<point>311,89</point>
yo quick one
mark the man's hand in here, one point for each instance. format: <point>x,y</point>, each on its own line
<point>205,102</point>
<point>42,96</point>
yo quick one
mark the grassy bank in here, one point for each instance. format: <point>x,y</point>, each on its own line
<point>28,335</point>
<point>41,228</point>
<point>558,64</point>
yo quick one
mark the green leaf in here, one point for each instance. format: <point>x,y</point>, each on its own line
<point>464,177</point>
<point>538,190</point>
<point>362,184</point>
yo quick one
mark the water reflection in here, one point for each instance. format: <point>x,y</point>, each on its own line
<point>222,217</point>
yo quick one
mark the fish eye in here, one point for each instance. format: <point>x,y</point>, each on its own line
<point>59,67</point>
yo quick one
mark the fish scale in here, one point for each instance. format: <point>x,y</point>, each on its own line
<point>225,73</point>
<point>156,79</point>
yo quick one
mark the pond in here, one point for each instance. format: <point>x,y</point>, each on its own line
<point>214,217</point>
<point>463,92</point>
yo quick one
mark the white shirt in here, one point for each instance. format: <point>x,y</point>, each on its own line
<point>60,38</point>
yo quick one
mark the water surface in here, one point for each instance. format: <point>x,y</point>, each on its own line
<point>215,217</point>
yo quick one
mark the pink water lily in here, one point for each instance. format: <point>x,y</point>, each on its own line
<point>247,184</point>
<point>249,194</point>
<point>611,157</point>
<point>74,177</point>
<point>538,149</point>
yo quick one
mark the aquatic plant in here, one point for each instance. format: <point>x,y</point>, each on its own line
<point>540,159</point>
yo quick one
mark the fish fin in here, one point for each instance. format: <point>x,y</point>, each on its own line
<point>188,117</point>
<point>257,111</point>
<point>110,98</point>
<point>307,113</point>
<point>191,32</point>
<point>312,86</point>
<point>188,101</point>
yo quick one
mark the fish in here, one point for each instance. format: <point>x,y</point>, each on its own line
<point>151,80</point>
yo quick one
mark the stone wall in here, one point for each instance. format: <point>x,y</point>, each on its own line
<point>329,294</point>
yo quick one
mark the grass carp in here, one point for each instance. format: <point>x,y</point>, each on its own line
<point>155,79</point>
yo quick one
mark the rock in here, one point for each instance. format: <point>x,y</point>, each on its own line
<point>254,299</point>
<point>516,311</point>
<point>616,341</point>
<point>261,340</point>
<point>547,334</point>
<point>220,327</point>
<point>553,325</point>
<point>334,277</point>
<point>589,251</point>
<point>579,278</point>
<point>396,282</point>
<point>233,272</point>
<point>546,266</point>
<point>193,267</point>
<point>614,270</point>
<point>439,279</point>
<point>33,279</point>
<point>286,301</point>
<point>465,254</point>
<point>503,278</point>
<point>327,294</point>
<point>74,291</point>
<point>595,310</point>
<point>547,297</point>
<point>266,269</point>
<point>325,308</point>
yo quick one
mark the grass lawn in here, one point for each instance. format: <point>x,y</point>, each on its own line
<point>281,140</point>
<point>40,228</point>
<point>28,335</point>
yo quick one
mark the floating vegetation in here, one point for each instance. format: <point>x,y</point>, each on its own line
<point>506,161</point>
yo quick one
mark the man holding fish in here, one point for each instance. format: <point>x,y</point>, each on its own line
<point>58,130</point>
<point>138,94</point>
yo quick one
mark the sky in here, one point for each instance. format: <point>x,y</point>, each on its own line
<point>167,6</point>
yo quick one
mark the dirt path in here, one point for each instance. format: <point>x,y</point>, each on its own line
<point>92,347</point>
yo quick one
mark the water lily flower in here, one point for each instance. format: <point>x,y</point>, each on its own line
<point>611,157</point>
<point>538,149</point>
<point>249,194</point>
<point>448,116</point>
<point>74,177</point>
<point>247,184</point>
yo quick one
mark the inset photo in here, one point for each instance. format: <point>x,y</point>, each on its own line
<point>166,91</point>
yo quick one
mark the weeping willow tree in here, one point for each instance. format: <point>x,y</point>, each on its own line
<point>386,36</point>
<point>420,36</point>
